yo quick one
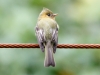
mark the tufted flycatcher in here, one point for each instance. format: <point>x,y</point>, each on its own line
<point>47,35</point>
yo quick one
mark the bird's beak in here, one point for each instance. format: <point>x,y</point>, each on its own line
<point>55,15</point>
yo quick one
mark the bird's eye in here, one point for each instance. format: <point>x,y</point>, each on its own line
<point>48,14</point>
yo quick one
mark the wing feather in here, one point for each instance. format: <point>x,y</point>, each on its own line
<point>55,39</point>
<point>39,34</point>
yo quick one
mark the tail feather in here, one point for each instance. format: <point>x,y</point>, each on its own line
<point>49,59</point>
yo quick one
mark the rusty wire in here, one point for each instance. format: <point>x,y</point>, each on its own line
<point>28,45</point>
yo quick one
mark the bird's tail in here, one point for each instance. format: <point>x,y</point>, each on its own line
<point>49,59</point>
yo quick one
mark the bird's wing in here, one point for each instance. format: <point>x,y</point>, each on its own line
<point>55,39</point>
<point>39,34</point>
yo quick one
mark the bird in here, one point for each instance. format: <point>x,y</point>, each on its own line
<point>46,31</point>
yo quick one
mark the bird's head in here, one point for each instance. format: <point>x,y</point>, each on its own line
<point>46,13</point>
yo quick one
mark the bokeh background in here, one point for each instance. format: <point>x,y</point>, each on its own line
<point>79,22</point>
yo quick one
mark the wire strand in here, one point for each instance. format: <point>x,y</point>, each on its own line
<point>31,45</point>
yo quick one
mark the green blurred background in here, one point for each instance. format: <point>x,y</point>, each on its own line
<point>79,22</point>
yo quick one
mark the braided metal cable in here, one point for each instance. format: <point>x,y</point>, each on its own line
<point>80,46</point>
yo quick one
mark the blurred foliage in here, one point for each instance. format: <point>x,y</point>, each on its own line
<point>79,22</point>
